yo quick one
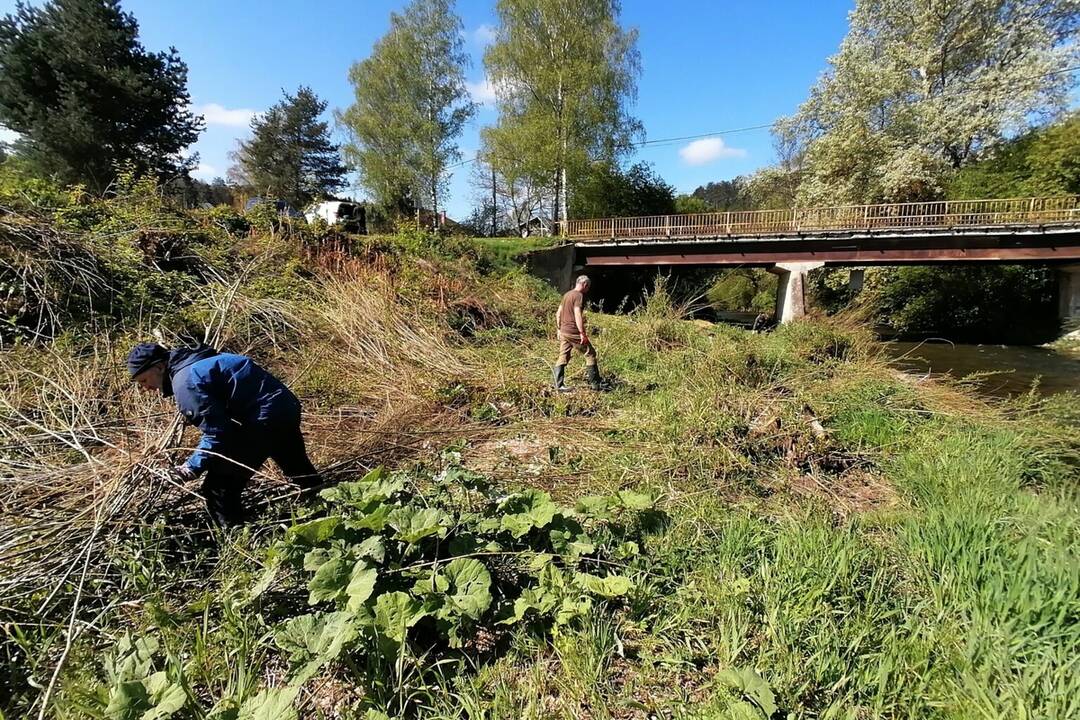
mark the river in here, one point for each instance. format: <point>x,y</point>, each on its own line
<point>1014,367</point>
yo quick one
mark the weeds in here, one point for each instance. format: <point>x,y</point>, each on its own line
<point>837,540</point>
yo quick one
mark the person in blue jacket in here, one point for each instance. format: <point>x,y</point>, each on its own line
<point>244,413</point>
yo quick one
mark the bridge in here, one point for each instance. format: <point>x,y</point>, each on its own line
<point>793,241</point>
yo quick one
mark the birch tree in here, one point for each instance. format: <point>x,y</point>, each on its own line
<point>565,73</point>
<point>919,88</point>
<point>410,106</point>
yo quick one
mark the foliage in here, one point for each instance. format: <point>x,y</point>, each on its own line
<point>919,89</point>
<point>743,289</point>
<point>289,155</point>
<point>102,103</point>
<point>725,195</point>
<point>414,579</point>
<point>410,106</point>
<point>608,191</point>
<point>564,72</point>
<point>404,573</point>
<point>1013,303</point>
<point>1042,162</point>
<point>688,204</point>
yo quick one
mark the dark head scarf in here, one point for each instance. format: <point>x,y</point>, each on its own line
<point>143,355</point>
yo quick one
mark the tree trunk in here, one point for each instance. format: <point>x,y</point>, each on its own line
<point>494,206</point>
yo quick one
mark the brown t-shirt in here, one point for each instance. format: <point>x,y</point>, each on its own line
<point>567,326</point>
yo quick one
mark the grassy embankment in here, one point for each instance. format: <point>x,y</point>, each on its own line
<point>800,531</point>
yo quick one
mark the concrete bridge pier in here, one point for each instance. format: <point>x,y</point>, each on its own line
<point>855,279</point>
<point>791,289</point>
<point>1069,299</point>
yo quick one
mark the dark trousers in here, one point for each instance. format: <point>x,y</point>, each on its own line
<point>245,453</point>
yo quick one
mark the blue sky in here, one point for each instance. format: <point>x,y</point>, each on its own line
<point>706,66</point>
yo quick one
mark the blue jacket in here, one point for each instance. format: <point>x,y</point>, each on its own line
<point>221,393</point>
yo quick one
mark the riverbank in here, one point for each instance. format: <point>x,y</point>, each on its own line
<point>747,524</point>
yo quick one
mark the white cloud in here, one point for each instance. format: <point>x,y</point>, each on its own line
<point>205,171</point>
<point>701,152</point>
<point>217,115</point>
<point>482,92</point>
<point>484,35</point>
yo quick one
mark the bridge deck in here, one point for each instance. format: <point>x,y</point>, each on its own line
<point>1013,216</point>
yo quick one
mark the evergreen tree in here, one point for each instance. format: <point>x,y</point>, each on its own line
<point>565,72</point>
<point>87,98</point>
<point>290,155</point>
<point>411,105</point>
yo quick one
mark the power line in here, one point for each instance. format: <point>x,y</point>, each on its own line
<point>659,142</point>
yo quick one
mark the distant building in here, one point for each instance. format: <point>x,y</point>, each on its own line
<point>350,216</point>
<point>536,226</point>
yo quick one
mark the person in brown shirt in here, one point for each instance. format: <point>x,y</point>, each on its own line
<point>570,322</point>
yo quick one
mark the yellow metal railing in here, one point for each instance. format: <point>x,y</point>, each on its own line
<point>898,216</point>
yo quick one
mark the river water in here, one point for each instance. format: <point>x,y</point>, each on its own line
<point>1014,368</point>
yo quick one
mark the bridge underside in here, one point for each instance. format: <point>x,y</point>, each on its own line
<point>792,256</point>
<point>1002,246</point>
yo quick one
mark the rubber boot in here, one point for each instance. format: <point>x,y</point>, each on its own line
<point>559,375</point>
<point>592,376</point>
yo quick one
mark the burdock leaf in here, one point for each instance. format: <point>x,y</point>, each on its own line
<point>413,525</point>
<point>395,613</point>
<point>167,697</point>
<point>127,701</point>
<point>753,687</point>
<point>314,532</point>
<point>361,585</point>
<point>527,510</point>
<point>374,520</point>
<point>314,640</point>
<point>270,704</point>
<point>595,506</point>
<point>634,500</point>
<point>608,587</point>
<point>329,581</point>
<point>470,586</point>
<point>373,548</point>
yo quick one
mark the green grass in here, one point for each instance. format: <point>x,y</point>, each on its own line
<point>918,561</point>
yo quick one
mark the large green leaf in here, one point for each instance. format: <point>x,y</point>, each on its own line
<point>571,609</point>
<point>361,584</point>
<point>271,704</point>
<point>531,599</point>
<point>395,613</point>
<point>527,510</point>
<point>329,581</point>
<point>597,507</point>
<point>413,525</point>
<point>314,532</point>
<point>375,487</point>
<point>315,558</point>
<point>470,586</point>
<point>374,520</point>
<point>314,640</point>
<point>608,587</point>
<point>152,698</point>
<point>631,500</point>
<point>752,686</point>
<point>166,696</point>
<point>374,547</point>
<point>127,701</point>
